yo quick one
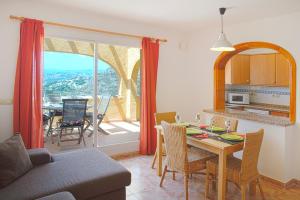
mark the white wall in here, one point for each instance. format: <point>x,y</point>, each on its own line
<point>282,30</point>
<point>171,56</point>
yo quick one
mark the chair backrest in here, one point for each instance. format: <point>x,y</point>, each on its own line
<point>103,105</point>
<point>251,151</point>
<point>176,147</point>
<point>219,121</point>
<point>74,110</point>
<point>165,116</point>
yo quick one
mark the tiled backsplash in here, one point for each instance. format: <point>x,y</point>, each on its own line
<point>259,94</point>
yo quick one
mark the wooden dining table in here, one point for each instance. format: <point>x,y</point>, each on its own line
<point>219,147</point>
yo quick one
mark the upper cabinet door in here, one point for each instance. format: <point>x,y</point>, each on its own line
<point>282,71</point>
<point>237,70</point>
<point>262,69</point>
<point>240,73</point>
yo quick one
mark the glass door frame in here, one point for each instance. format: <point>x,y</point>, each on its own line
<point>95,96</point>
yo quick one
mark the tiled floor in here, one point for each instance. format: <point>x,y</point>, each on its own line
<point>145,185</point>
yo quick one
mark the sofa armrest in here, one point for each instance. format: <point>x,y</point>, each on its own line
<point>39,156</point>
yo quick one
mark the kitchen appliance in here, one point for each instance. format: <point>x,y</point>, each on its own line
<point>238,98</point>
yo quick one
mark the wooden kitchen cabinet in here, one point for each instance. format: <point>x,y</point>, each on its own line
<point>282,71</point>
<point>237,70</point>
<point>262,69</point>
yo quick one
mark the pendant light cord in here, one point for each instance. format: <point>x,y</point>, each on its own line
<point>222,12</point>
<point>221,23</point>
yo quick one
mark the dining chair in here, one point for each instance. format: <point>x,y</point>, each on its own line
<point>73,116</point>
<point>179,158</point>
<point>219,121</point>
<point>240,172</point>
<point>159,117</point>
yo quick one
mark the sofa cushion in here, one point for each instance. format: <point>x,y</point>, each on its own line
<point>58,196</point>
<point>85,173</point>
<point>39,156</point>
<point>14,159</point>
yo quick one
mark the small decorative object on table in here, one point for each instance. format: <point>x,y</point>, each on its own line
<point>197,118</point>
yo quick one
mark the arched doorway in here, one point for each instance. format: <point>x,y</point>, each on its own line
<point>223,58</point>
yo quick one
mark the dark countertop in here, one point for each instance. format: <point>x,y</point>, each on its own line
<point>266,119</point>
<point>270,107</point>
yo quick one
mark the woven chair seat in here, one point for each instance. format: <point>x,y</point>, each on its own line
<point>233,168</point>
<point>199,154</point>
<point>197,159</point>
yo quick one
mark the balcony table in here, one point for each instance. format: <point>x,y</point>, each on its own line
<point>221,148</point>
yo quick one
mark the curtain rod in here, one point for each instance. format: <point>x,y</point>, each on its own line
<point>89,29</point>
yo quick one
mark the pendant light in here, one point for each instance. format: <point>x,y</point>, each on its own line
<point>222,43</point>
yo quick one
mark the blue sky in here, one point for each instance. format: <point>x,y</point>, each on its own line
<point>67,61</point>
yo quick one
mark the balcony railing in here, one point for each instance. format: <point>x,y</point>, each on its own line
<point>119,109</point>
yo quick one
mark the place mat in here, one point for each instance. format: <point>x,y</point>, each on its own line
<point>225,141</point>
<point>203,126</point>
<point>216,132</point>
<point>205,136</point>
<point>200,136</point>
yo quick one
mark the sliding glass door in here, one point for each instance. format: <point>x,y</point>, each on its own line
<point>68,74</point>
<point>107,75</point>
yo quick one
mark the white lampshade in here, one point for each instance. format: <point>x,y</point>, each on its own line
<point>222,44</point>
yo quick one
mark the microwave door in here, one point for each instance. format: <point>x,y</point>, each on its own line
<point>237,98</point>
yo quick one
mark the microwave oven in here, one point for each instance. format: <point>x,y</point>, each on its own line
<point>238,98</point>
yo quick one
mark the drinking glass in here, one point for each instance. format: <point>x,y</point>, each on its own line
<point>177,118</point>
<point>212,124</point>
<point>197,118</point>
<point>227,125</point>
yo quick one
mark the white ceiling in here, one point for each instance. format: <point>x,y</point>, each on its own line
<point>184,13</point>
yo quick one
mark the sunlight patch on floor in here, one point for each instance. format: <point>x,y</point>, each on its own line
<point>127,126</point>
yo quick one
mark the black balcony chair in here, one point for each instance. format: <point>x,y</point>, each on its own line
<point>73,116</point>
<point>102,108</point>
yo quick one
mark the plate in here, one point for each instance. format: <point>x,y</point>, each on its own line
<point>231,137</point>
<point>216,129</point>
<point>192,131</point>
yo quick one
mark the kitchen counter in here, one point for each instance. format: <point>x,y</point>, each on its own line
<point>270,107</point>
<point>240,114</point>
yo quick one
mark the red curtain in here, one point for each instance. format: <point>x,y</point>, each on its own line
<point>150,53</point>
<point>28,81</point>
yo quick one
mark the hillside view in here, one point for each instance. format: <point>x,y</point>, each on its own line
<point>72,75</point>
